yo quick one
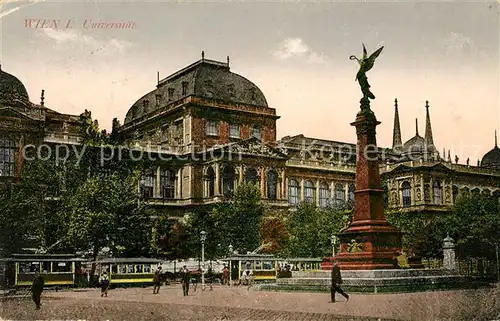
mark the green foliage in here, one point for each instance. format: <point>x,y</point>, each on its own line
<point>311,228</point>
<point>105,213</point>
<point>239,220</point>
<point>423,233</point>
<point>475,225</point>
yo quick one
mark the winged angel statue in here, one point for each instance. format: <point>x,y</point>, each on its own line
<point>365,64</point>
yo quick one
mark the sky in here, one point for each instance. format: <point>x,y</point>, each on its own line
<point>296,52</point>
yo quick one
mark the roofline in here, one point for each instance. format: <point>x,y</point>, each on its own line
<point>191,66</point>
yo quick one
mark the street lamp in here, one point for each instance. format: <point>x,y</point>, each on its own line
<point>333,239</point>
<point>229,263</point>
<point>203,237</point>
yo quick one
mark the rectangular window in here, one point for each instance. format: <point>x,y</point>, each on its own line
<point>234,131</point>
<point>212,128</point>
<point>7,157</point>
<point>158,99</point>
<point>61,267</point>
<point>256,132</point>
<point>184,87</point>
<point>170,94</point>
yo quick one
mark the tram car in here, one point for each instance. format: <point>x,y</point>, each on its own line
<point>125,272</point>
<point>264,267</point>
<point>287,266</point>
<point>56,269</point>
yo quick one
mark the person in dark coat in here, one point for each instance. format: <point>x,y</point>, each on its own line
<point>185,278</point>
<point>37,289</point>
<point>104,282</point>
<point>157,280</point>
<point>336,281</point>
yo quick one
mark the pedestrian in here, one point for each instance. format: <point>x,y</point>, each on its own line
<point>37,289</point>
<point>185,280</point>
<point>336,281</point>
<point>157,281</point>
<point>210,278</point>
<point>104,282</point>
<point>225,275</point>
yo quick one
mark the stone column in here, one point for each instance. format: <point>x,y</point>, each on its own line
<point>240,174</point>
<point>217,180</point>
<point>301,190</point>
<point>378,240</point>
<point>178,192</point>
<point>346,195</point>
<point>157,192</point>
<point>317,193</point>
<point>262,176</point>
<point>449,262</point>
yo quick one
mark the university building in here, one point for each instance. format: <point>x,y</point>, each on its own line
<point>211,129</point>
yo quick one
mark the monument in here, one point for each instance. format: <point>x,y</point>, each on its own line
<point>377,241</point>
<point>369,243</point>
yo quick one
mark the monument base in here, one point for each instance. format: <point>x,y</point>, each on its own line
<point>375,281</point>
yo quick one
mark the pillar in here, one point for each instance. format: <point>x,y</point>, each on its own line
<point>241,170</point>
<point>157,191</point>
<point>449,262</point>
<point>316,199</point>
<point>217,180</point>
<point>301,190</point>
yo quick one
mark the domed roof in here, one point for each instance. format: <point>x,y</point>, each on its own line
<point>204,78</point>
<point>492,158</point>
<point>12,90</point>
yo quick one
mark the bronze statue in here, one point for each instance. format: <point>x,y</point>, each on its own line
<point>365,64</point>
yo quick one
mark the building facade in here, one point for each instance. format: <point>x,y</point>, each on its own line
<point>210,129</point>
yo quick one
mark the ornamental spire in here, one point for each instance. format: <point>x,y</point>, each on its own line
<point>428,129</point>
<point>396,134</point>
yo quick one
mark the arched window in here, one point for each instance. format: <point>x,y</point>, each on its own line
<point>210,182</point>
<point>7,157</point>
<point>406,191</point>
<point>309,192</point>
<point>339,194</point>
<point>324,195</point>
<point>293,192</point>
<point>272,183</point>
<point>438,192</point>
<point>454,194</point>
<point>148,182</point>
<point>351,195</point>
<point>228,181</point>
<point>464,192</point>
<point>167,184</point>
<point>475,192</point>
<point>251,176</point>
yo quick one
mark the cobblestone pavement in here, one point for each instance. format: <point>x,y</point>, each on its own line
<point>224,303</point>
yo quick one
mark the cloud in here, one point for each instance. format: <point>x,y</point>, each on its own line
<point>296,47</point>
<point>73,38</point>
<point>12,10</point>
<point>458,43</point>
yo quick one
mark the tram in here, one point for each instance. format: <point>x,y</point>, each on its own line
<point>21,269</point>
<point>302,264</point>
<point>264,267</point>
<point>128,271</point>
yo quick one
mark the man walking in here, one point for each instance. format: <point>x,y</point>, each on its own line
<point>37,289</point>
<point>185,280</point>
<point>336,281</point>
<point>157,280</point>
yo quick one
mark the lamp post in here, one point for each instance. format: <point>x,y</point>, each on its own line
<point>203,237</point>
<point>334,241</point>
<point>229,262</point>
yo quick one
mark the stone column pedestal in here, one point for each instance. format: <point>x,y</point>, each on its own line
<point>377,241</point>
<point>449,262</point>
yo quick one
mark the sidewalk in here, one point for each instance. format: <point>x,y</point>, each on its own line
<point>444,305</point>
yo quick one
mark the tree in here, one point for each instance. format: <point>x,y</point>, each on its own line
<point>311,228</point>
<point>273,230</point>
<point>423,233</point>
<point>239,220</point>
<point>105,213</point>
<point>475,225</point>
